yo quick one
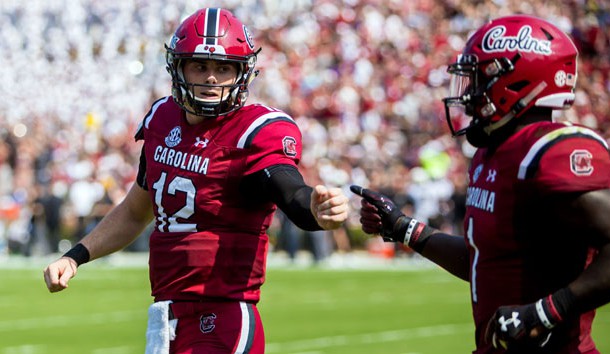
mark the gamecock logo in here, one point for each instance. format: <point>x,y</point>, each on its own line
<point>290,146</point>
<point>206,323</point>
<point>581,162</point>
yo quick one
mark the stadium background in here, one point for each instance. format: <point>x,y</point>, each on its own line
<point>363,78</point>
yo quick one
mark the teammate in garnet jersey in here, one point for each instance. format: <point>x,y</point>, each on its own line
<point>536,244</point>
<point>212,173</point>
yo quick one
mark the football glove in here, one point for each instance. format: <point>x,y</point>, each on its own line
<point>380,215</point>
<point>525,327</point>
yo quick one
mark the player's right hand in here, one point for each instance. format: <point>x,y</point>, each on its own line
<point>58,273</point>
<point>378,213</point>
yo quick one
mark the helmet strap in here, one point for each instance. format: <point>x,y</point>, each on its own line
<point>518,107</point>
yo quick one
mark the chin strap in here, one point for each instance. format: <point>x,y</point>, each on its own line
<point>522,103</point>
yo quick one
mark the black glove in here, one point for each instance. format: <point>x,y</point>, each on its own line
<point>522,328</point>
<point>379,215</point>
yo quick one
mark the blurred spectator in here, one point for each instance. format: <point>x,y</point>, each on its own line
<point>363,79</point>
<point>45,225</point>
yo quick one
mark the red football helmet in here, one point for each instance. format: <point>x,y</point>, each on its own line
<point>508,66</point>
<point>212,34</point>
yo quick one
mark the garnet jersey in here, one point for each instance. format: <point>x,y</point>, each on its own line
<point>519,250</point>
<point>208,240</point>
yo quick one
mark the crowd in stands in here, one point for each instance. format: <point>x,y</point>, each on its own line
<point>363,78</point>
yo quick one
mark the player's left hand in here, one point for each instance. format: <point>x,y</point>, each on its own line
<point>519,328</point>
<point>329,207</point>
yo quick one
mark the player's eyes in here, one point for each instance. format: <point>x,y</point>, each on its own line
<point>225,68</point>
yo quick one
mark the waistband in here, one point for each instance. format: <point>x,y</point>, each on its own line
<point>179,309</point>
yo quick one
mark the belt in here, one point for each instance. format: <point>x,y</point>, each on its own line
<point>180,308</point>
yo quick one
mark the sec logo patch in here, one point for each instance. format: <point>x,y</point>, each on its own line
<point>290,146</point>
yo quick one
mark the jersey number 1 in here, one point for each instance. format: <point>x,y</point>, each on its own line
<point>473,275</point>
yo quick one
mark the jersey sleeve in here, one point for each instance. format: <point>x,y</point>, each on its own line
<point>276,142</point>
<point>573,162</point>
<point>139,136</point>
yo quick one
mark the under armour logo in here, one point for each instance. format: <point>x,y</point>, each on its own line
<point>201,143</point>
<point>491,176</point>
<point>514,320</point>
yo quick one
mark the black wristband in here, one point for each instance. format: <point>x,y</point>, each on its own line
<point>412,233</point>
<point>555,308</point>
<point>562,302</point>
<point>79,253</point>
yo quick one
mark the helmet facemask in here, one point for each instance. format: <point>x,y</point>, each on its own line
<point>232,96</point>
<point>471,80</point>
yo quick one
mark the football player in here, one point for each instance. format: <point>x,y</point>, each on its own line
<point>536,243</point>
<point>212,172</point>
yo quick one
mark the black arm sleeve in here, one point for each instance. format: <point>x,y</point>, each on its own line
<point>284,186</point>
<point>141,177</point>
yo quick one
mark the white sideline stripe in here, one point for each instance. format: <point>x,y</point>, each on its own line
<point>57,321</point>
<point>368,338</point>
<point>26,349</point>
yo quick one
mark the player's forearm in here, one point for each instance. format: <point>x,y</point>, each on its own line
<point>114,232</point>
<point>592,288</point>
<point>589,213</point>
<point>285,186</point>
<point>379,215</point>
<point>123,224</point>
<point>449,252</point>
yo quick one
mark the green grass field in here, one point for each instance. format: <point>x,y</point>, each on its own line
<point>305,311</point>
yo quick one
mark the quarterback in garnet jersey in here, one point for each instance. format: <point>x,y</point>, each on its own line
<point>210,238</point>
<point>212,173</point>
<point>536,243</point>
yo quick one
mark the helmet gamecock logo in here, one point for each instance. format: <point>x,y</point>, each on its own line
<point>581,162</point>
<point>248,37</point>
<point>206,323</point>
<point>290,146</point>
